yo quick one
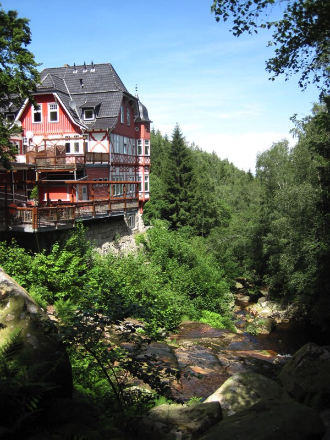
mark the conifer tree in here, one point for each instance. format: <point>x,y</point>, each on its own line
<point>177,179</point>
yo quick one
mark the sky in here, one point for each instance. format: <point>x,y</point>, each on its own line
<point>188,68</point>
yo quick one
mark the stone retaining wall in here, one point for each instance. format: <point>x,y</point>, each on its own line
<point>113,234</point>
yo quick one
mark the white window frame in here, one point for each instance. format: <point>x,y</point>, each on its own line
<point>10,118</point>
<point>54,110</point>
<point>139,179</point>
<point>125,145</point>
<point>128,116</point>
<point>122,114</point>
<point>118,189</point>
<point>147,148</point>
<point>146,183</point>
<point>37,112</point>
<point>140,147</point>
<point>73,145</point>
<point>92,117</point>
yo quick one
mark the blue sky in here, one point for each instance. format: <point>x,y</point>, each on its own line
<point>189,69</point>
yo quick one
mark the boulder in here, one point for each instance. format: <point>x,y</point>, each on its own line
<point>270,420</point>
<point>41,348</point>
<point>243,298</point>
<point>243,390</point>
<point>307,373</point>
<point>186,422</point>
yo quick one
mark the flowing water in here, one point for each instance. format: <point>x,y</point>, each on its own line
<point>287,337</point>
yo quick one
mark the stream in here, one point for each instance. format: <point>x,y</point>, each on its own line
<point>287,337</point>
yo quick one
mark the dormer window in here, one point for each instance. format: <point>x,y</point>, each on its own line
<point>36,115</point>
<point>89,114</point>
<point>90,109</point>
<point>10,117</point>
<point>53,112</point>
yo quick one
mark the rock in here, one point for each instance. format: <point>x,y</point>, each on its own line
<point>186,422</point>
<point>244,390</point>
<point>40,340</point>
<point>270,420</point>
<point>308,372</point>
<point>264,326</point>
<point>242,297</point>
<point>264,291</point>
<point>239,286</point>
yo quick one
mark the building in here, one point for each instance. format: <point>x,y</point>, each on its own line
<point>83,153</point>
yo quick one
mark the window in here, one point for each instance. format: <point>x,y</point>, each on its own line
<point>140,183</point>
<point>139,147</point>
<point>131,221</point>
<point>131,186</point>
<point>146,183</point>
<point>89,114</point>
<point>146,148</point>
<point>36,115</point>
<point>53,112</point>
<point>125,146</point>
<point>118,187</point>
<point>72,145</point>
<point>67,144</point>
<point>76,144</point>
<point>10,117</point>
<point>122,114</point>
<point>128,116</point>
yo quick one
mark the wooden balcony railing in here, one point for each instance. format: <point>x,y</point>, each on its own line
<point>65,214</point>
<point>59,162</point>
<point>37,218</point>
<point>48,160</point>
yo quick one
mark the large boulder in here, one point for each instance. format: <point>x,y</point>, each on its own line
<point>270,420</point>
<point>41,348</point>
<point>243,390</point>
<point>308,372</point>
<point>186,422</point>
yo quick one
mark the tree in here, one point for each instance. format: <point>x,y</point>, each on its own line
<point>18,76</point>
<point>177,180</point>
<point>301,37</point>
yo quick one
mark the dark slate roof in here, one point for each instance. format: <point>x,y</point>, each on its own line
<point>94,85</point>
<point>143,113</point>
<point>91,104</point>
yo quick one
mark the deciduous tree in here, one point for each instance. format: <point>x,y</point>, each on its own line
<point>18,76</point>
<point>301,37</point>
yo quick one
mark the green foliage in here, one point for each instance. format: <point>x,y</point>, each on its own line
<point>18,75</point>
<point>215,320</point>
<point>104,366</point>
<point>27,408</point>
<point>300,37</point>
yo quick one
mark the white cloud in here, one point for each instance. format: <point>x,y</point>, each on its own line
<point>240,149</point>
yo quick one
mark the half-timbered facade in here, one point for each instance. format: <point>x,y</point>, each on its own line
<point>84,147</point>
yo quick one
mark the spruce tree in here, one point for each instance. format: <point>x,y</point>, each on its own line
<point>177,179</point>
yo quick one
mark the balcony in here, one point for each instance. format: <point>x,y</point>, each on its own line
<point>65,214</point>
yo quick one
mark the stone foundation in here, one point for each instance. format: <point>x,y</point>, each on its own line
<point>111,234</point>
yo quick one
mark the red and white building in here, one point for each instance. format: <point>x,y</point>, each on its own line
<point>84,152</point>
